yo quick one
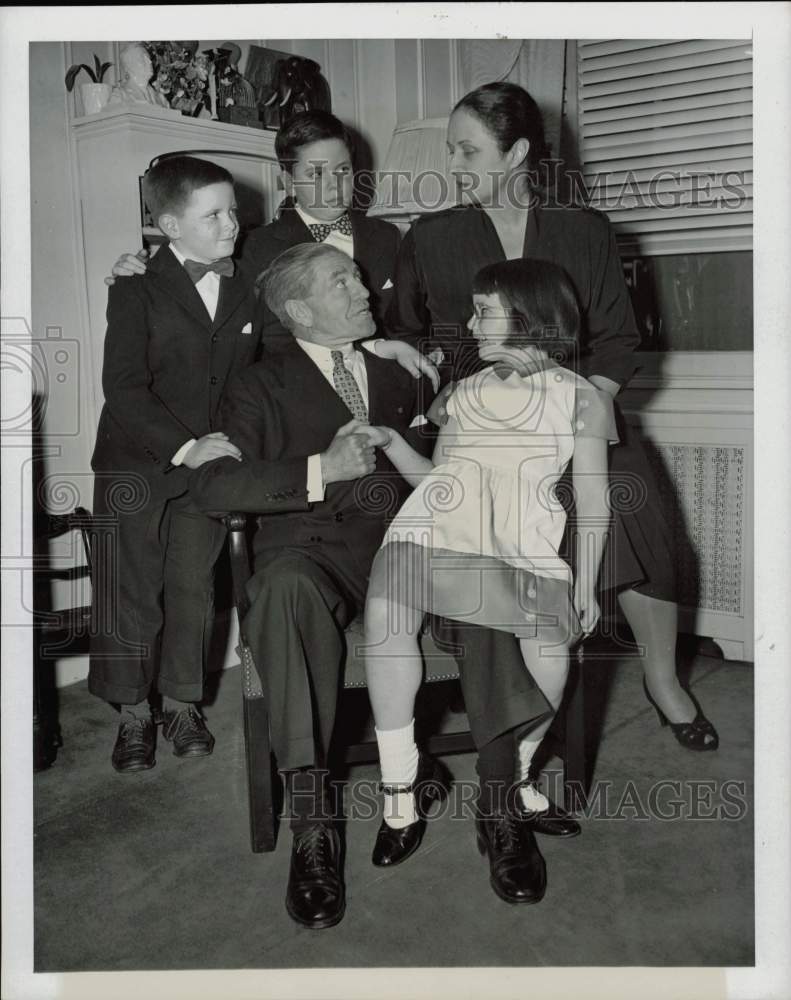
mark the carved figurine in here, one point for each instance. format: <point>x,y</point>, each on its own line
<point>297,85</point>
<point>134,87</point>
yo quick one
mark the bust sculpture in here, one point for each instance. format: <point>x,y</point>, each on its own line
<point>134,87</point>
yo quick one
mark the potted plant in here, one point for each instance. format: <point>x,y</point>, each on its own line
<point>94,95</point>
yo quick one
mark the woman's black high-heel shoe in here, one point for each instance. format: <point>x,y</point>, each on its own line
<point>696,735</point>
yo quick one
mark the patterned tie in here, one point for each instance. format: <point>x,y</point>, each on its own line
<point>347,388</point>
<point>196,270</point>
<point>322,230</point>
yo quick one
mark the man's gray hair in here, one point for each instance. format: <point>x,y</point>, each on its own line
<point>290,276</point>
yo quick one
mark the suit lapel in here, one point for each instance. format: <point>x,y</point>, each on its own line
<point>320,409</point>
<point>381,403</point>
<point>167,271</point>
<point>289,229</point>
<point>233,291</point>
<point>367,250</point>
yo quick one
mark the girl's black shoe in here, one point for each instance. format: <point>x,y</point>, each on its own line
<point>431,785</point>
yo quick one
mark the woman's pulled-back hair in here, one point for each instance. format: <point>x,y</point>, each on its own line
<point>540,298</point>
<point>509,113</point>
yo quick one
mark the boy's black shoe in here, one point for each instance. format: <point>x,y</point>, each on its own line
<point>187,731</point>
<point>134,745</point>
<point>315,896</point>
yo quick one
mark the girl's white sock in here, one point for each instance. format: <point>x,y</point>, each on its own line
<point>398,759</point>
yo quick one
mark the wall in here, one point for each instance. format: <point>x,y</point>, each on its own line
<point>62,476</point>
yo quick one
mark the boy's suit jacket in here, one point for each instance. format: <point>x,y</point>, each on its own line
<point>166,364</point>
<point>280,411</point>
<point>375,252</point>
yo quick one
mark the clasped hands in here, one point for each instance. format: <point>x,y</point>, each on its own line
<point>352,452</point>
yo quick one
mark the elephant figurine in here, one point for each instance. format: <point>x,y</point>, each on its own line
<point>297,85</point>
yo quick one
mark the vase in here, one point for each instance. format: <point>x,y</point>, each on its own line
<point>94,97</point>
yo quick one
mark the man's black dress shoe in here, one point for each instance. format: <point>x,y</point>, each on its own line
<point>187,731</point>
<point>134,745</point>
<point>552,822</point>
<point>517,871</point>
<point>431,785</point>
<point>315,896</point>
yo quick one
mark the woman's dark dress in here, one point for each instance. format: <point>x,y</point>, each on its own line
<point>432,303</point>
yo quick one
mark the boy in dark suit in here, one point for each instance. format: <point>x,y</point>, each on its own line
<point>314,150</point>
<point>174,337</point>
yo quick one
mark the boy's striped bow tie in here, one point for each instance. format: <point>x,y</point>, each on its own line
<point>321,230</point>
<point>196,270</point>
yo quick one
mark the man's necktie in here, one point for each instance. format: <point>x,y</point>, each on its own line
<point>196,270</point>
<point>347,388</point>
<point>321,230</point>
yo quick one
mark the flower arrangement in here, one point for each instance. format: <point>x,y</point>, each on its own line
<point>181,75</point>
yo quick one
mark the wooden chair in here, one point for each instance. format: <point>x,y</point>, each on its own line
<point>55,633</point>
<point>439,666</point>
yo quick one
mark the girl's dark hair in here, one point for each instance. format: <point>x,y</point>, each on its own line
<point>540,297</point>
<point>509,113</point>
<point>305,128</point>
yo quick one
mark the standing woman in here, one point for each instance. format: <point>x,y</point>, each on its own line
<point>496,144</point>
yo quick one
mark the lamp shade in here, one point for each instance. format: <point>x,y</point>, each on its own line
<point>414,178</point>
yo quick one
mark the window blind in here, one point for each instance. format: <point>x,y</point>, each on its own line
<point>665,133</point>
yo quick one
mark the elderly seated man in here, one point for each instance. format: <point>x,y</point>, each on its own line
<point>310,467</point>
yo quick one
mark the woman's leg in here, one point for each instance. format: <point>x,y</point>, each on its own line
<point>654,624</point>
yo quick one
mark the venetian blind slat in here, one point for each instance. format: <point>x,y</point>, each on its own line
<point>623,49</point>
<point>664,91</point>
<point>651,61</point>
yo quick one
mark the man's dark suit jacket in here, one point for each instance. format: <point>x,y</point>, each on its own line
<point>279,412</point>
<point>166,364</point>
<point>375,252</point>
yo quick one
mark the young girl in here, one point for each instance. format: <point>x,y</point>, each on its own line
<point>478,539</point>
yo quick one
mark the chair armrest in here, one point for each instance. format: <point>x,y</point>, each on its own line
<point>236,523</point>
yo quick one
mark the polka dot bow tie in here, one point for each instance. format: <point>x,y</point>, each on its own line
<point>321,230</point>
<point>196,270</point>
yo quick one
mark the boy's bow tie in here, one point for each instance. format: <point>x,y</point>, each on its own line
<point>321,230</point>
<point>196,270</point>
